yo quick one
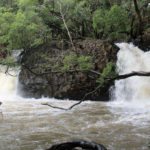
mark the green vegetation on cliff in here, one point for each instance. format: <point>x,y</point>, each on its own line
<point>108,72</point>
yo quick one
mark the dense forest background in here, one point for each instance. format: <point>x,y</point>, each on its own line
<point>28,23</point>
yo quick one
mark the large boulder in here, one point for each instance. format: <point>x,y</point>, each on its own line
<point>39,78</point>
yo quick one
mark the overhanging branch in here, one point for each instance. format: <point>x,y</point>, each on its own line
<point>51,71</point>
<point>124,76</point>
<point>83,99</point>
<point>118,77</point>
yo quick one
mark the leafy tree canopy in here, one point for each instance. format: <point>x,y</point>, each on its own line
<point>29,23</point>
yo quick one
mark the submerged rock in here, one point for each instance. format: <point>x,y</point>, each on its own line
<point>40,75</point>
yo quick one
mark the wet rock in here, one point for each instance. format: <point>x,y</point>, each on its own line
<point>143,42</point>
<point>78,145</point>
<point>69,85</point>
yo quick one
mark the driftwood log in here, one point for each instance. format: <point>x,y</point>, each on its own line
<point>76,144</point>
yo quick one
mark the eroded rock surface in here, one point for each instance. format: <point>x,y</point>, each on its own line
<point>69,85</point>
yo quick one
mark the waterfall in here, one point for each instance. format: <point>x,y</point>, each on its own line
<point>8,82</point>
<point>26,124</point>
<point>134,89</point>
<point>9,77</point>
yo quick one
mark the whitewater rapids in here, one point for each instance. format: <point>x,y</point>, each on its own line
<point>122,124</point>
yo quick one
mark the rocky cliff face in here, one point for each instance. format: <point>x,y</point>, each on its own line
<point>39,77</point>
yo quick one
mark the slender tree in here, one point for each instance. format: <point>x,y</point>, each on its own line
<point>140,26</point>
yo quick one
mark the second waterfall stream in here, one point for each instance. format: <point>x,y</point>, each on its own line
<point>120,124</point>
<point>134,90</point>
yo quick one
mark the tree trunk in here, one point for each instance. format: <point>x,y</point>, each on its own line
<point>140,27</point>
<point>132,28</point>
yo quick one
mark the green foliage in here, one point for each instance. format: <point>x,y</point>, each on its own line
<point>85,62</point>
<point>56,66</point>
<point>82,62</point>
<point>69,61</point>
<point>113,22</point>
<point>99,21</point>
<point>108,72</point>
<point>23,29</point>
<point>78,19</point>
<point>29,23</point>
<point>6,19</point>
<point>28,29</point>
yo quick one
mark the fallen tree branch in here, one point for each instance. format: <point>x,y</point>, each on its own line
<point>7,70</point>
<point>45,73</point>
<point>83,99</point>
<point>54,106</point>
<point>118,77</point>
<point>78,143</point>
<point>124,76</point>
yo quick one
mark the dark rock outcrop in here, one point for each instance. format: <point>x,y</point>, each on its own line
<point>143,42</point>
<point>39,77</point>
<point>77,145</point>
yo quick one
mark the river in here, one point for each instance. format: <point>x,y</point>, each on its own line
<point>121,124</point>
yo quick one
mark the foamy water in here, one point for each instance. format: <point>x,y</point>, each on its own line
<point>122,124</point>
<point>134,90</point>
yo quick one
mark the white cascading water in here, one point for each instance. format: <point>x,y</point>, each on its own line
<point>25,124</point>
<point>135,90</point>
<point>8,82</point>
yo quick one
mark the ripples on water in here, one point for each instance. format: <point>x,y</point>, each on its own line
<point>28,125</point>
<point>123,124</point>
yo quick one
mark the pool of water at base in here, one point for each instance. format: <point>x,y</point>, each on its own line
<point>26,124</point>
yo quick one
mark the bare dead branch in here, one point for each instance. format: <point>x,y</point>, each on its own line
<point>31,71</point>
<point>83,99</point>
<point>140,26</point>
<point>45,73</point>
<point>124,76</point>
<point>7,72</point>
<point>119,77</point>
<point>54,106</point>
<point>64,21</point>
<point>95,72</point>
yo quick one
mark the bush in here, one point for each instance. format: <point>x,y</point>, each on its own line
<point>85,62</point>
<point>108,72</point>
